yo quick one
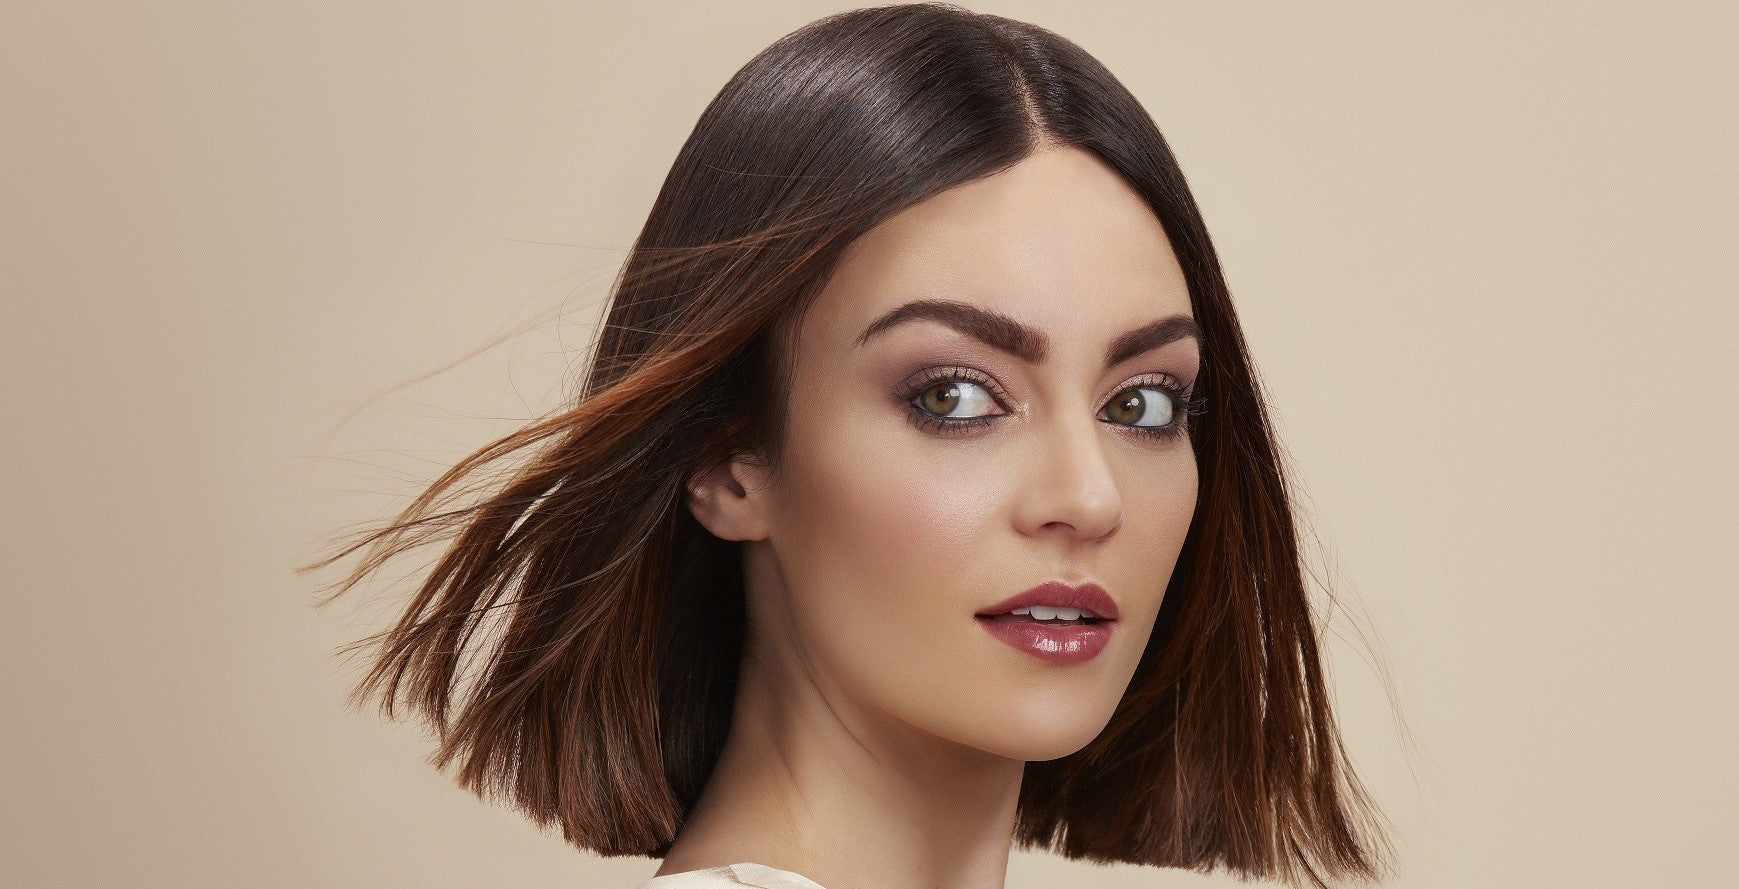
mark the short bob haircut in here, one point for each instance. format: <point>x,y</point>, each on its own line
<point>606,699</point>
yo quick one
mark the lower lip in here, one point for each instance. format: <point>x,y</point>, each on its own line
<point>1052,643</point>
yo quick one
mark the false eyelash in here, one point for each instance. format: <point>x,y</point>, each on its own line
<point>1186,406</point>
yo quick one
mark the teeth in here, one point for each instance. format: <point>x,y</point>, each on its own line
<point>1041,612</point>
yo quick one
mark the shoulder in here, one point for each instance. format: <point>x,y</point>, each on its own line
<point>710,878</point>
<point>732,876</point>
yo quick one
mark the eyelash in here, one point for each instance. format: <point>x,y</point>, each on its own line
<point>1185,407</point>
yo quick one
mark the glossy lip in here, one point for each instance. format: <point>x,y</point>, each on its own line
<point>1055,644</point>
<point>1057,594</point>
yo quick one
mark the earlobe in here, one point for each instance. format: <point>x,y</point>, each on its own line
<point>728,499</point>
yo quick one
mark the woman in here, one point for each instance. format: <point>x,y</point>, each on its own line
<point>920,500</point>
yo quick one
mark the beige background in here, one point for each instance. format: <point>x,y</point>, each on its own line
<point>1484,254</point>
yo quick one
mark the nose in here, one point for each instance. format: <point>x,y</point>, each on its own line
<point>1072,489</point>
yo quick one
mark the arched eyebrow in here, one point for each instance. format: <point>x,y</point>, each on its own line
<point>1005,334</point>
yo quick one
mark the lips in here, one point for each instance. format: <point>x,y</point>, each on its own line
<point>1064,643</point>
<point>1088,597</point>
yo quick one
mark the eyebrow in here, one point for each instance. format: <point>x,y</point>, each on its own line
<point>1005,334</point>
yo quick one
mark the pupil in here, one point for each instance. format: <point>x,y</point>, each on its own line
<point>946,398</point>
<point>1131,406</point>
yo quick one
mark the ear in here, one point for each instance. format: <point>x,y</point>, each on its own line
<point>731,499</point>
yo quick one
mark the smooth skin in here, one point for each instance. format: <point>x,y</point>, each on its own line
<point>879,732</point>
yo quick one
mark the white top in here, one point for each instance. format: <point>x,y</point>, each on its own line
<point>732,876</point>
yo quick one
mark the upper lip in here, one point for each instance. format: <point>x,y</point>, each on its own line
<point>1088,597</point>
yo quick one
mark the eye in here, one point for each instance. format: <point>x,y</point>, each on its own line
<point>1137,409</point>
<point>952,400</point>
<point>958,400</point>
<point>1158,407</point>
<point>944,398</point>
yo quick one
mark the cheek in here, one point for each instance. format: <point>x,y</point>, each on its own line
<point>1159,502</point>
<point>1162,501</point>
<point>878,527</point>
<point>886,543</point>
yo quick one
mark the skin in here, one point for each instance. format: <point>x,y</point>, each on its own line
<point>879,732</point>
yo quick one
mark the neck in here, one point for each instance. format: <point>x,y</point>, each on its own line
<point>808,783</point>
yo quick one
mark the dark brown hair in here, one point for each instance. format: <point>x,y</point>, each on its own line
<point>605,701</point>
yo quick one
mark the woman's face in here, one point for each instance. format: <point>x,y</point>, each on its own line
<point>929,474</point>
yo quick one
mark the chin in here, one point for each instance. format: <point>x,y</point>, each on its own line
<point>1037,730</point>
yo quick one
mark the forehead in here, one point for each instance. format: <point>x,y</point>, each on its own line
<point>1057,241</point>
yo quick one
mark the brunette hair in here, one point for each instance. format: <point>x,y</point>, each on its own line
<point>606,699</point>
